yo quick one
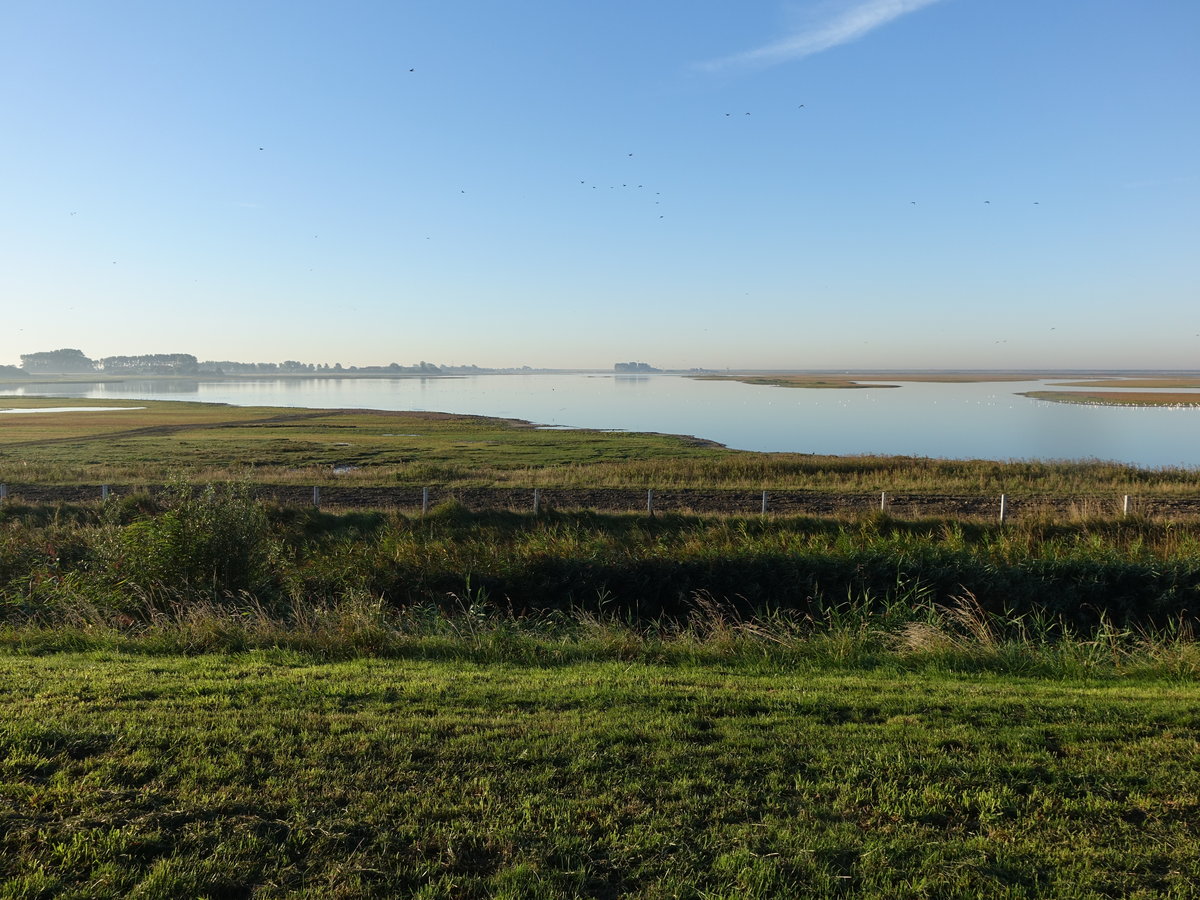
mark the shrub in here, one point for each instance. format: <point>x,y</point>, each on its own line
<point>215,541</point>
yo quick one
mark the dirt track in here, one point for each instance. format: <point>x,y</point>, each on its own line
<point>744,502</point>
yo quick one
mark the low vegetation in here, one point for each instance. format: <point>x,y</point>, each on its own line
<point>1173,381</point>
<point>866,379</point>
<point>138,558</point>
<point>153,442</point>
<point>1118,398</point>
<point>207,695</point>
<point>797,381</point>
<point>279,775</point>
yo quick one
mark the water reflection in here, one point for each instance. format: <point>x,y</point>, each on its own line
<point>967,420</point>
<point>136,388</point>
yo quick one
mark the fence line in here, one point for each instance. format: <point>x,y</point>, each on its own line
<point>733,501</point>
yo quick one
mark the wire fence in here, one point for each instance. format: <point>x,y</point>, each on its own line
<point>651,501</point>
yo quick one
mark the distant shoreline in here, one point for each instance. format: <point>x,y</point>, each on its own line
<point>1155,389</point>
<point>1113,398</point>
<point>854,380</point>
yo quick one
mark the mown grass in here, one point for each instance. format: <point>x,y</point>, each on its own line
<point>202,695</point>
<point>275,774</point>
<point>205,696</point>
<point>212,443</point>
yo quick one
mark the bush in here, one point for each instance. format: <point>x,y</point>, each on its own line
<point>214,542</point>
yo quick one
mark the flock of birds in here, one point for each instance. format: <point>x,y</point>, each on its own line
<point>630,185</point>
<point>627,186</point>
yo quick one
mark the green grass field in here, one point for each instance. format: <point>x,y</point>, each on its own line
<point>277,775</point>
<point>162,441</point>
<point>203,695</point>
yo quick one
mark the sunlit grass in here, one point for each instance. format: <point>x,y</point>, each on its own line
<point>204,695</point>
<point>212,443</point>
<point>276,774</point>
<point>138,556</point>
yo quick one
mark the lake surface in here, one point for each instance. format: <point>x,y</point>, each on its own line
<point>976,420</point>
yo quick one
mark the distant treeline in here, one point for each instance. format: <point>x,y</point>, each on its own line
<point>68,361</point>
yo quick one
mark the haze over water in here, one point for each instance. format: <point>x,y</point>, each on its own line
<point>983,420</point>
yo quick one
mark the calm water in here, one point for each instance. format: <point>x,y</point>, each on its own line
<point>983,420</point>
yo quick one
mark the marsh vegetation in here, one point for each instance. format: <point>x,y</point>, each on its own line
<point>208,694</point>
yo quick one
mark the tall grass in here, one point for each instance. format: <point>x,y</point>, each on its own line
<point>868,473</point>
<point>216,543</point>
<point>214,569</point>
<point>856,634</point>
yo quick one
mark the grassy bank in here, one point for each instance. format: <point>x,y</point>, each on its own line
<point>277,775</point>
<point>139,555</point>
<point>202,694</point>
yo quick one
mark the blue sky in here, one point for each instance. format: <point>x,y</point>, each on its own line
<point>843,184</point>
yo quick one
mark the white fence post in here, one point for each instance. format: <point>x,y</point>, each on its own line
<point>764,509</point>
<point>424,500</point>
<point>1002,508</point>
<point>883,501</point>
<point>650,502</point>
<point>1125,507</point>
<point>537,500</point>
<point>104,492</point>
<point>316,497</point>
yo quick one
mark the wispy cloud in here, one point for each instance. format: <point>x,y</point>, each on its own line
<point>847,24</point>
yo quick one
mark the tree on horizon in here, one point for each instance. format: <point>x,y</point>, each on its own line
<point>65,360</point>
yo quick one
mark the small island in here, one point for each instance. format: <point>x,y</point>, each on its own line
<point>851,380</point>
<point>1118,398</point>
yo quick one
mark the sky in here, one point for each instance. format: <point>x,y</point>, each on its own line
<point>815,184</point>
